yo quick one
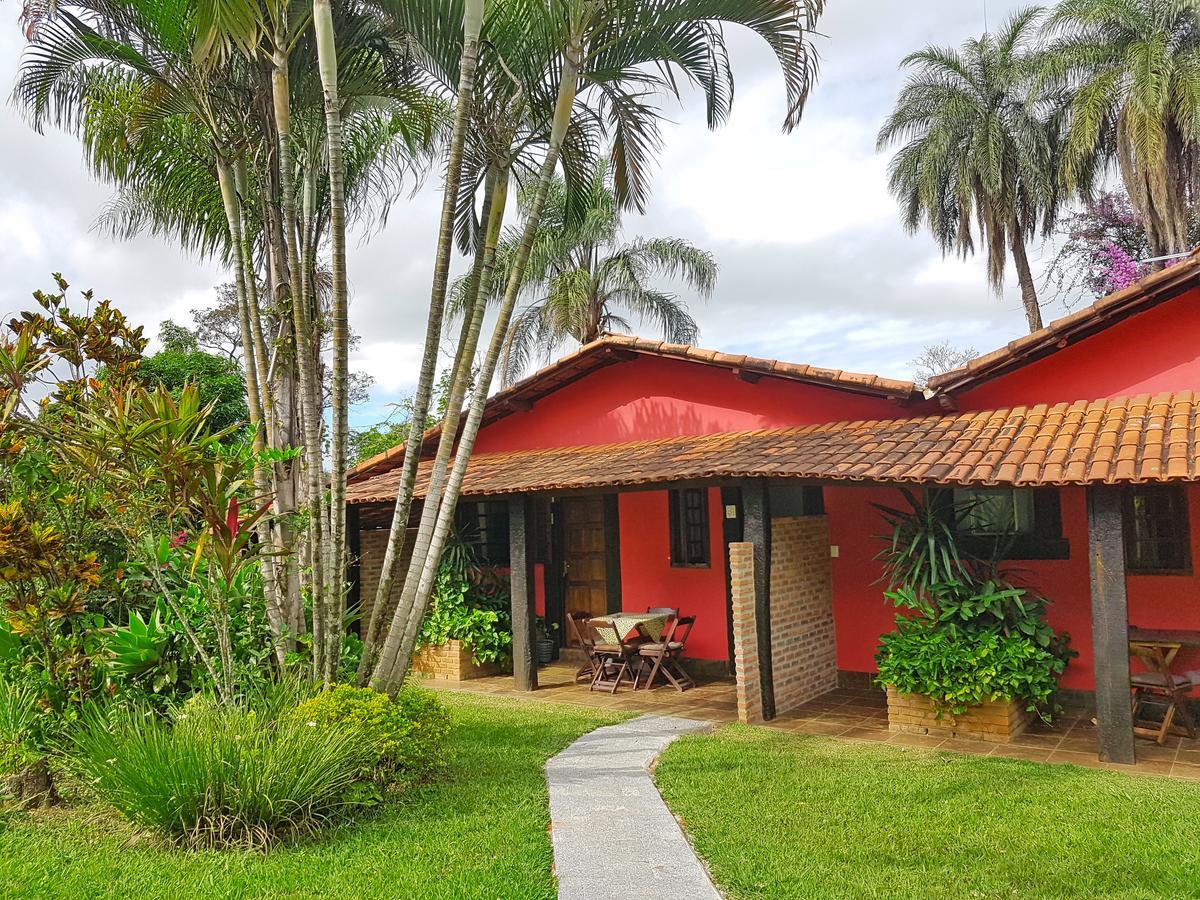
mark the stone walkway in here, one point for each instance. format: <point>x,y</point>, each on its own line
<point>612,833</point>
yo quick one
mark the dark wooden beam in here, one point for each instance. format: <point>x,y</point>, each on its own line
<point>756,529</point>
<point>621,355</point>
<point>354,565</point>
<point>1110,623</point>
<point>520,533</point>
<point>520,404</point>
<point>748,376</point>
<point>612,552</point>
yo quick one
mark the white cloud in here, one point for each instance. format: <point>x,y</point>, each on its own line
<point>815,266</point>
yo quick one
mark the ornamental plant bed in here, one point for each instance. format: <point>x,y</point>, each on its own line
<point>993,720</point>
<point>452,661</point>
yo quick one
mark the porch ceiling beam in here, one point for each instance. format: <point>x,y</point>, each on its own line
<point>521,591</point>
<point>1110,624</point>
<point>756,530</point>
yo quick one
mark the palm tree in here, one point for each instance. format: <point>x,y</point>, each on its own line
<point>587,282</point>
<point>188,131</point>
<point>1129,75</point>
<point>614,57</point>
<point>975,145</point>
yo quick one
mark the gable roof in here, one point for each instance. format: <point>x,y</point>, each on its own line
<point>1134,439</point>
<point>1144,294</point>
<point>617,348</point>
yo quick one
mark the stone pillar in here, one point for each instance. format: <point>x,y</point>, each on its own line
<point>745,632</point>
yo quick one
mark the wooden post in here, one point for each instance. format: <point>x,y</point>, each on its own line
<point>520,532</point>
<point>354,568</point>
<point>756,507</point>
<point>1110,624</point>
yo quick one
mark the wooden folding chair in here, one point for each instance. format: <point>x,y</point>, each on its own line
<point>612,659</point>
<point>1159,684</point>
<point>663,655</point>
<point>578,631</point>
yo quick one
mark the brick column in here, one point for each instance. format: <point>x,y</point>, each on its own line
<point>745,632</point>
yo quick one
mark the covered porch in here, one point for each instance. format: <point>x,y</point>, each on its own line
<point>769,538</point>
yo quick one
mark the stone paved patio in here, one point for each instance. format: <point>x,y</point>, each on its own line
<point>848,714</point>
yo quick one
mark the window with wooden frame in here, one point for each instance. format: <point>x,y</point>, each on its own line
<point>1157,534</point>
<point>1010,523</point>
<point>689,527</point>
<point>484,525</point>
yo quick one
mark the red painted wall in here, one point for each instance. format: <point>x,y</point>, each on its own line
<point>1158,350</point>
<point>648,579</point>
<point>861,614</point>
<point>649,398</point>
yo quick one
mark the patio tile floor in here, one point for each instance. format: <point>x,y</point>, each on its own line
<point>847,714</point>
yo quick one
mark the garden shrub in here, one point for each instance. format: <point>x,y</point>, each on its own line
<point>958,669</point>
<point>407,733</point>
<point>968,634</point>
<point>221,776</point>
<point>471,604</point>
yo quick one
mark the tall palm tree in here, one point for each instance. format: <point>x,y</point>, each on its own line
<point>586,281</point>
<point>975,146</point>
<point>1129,75</point>
<point>615,57</point>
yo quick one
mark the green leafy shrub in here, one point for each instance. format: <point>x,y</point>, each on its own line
<point>958,669</point>
<point>470,604</point>
<point>407,733</point>
<point>968,635</point>
<point>221,776</point>
<point>22,723</point>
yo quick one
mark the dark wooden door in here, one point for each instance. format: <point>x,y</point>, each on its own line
<point>585,577</point>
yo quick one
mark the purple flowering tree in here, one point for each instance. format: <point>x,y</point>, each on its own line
<point>1101,248</point>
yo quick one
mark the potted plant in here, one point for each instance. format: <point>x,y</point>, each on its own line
<point>467,632</point>
<point>972,654</point>
<point>544,643</point>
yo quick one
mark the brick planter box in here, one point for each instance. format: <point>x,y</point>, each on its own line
<point>451,661</point>
<point>996,720</point>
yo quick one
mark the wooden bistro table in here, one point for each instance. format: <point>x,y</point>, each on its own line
<point>615,630</point>
<point>1157,649</point>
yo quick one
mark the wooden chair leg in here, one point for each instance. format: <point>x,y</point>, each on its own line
<point>1185,714</point>
<point>1168,718</point>
<point>655,669</point>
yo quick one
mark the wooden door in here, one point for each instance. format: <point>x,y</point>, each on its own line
<point>585,559</point>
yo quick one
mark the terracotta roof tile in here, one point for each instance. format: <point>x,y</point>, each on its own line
<point>1141,295</point>
<point>616,347</point>
<point>1120,440</point>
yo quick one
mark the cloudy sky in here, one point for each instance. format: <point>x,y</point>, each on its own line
<point>814,264</point>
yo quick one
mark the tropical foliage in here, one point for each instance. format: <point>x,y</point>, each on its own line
<point>1103,248</point>
<point>976,151</point>
<point>218,776</point>
<point>584,281</point>
<point>470,604</point>
<point>1128,75</point>
<point>968,634</point>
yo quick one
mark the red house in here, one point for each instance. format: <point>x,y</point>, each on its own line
<point>632,474</point>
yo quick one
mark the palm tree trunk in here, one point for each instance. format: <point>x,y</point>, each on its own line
<point>393,666</point>
<point>1033,312</point>
<point>310,390</point>
<point>472,24</point>
<point>479,288</point>
<point>243,265</point>
<point>281,373</point>
<point>335,591</point>
<point>267,435</point>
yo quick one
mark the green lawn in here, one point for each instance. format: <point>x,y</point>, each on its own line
<point>482,833</point>
<point>781,815</point>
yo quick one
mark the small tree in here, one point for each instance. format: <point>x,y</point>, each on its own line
<point>937,359</point>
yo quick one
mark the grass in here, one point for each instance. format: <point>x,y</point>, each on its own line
<point>783,815</point>
<point>480,833</point>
